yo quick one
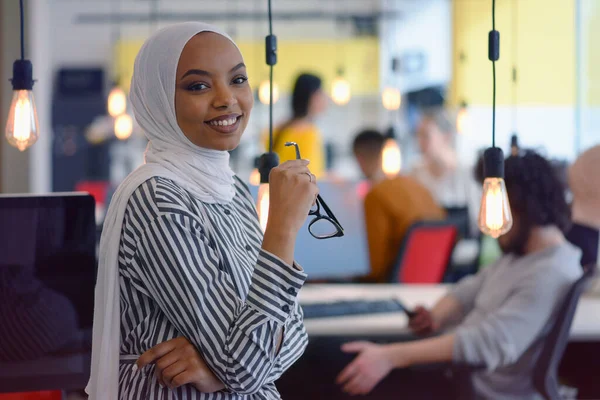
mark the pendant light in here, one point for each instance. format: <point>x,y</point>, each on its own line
<point>340,89</point>
<point>462,118</point>
<point>391,98</point>
<point>123,126</point>
<point>117,99</point>
<point>22,123</point>
<point>268,160</point>
<point>391,157</point>
<point>495,218</point>
<point>264,92</point>
<point>390,95</point>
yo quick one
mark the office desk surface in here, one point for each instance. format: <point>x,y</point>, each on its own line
<point>586,326</point>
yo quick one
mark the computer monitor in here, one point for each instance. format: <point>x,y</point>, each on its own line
<point>336,258</point>
<point>47,279</point>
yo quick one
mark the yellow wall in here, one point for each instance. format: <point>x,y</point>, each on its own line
<point>546,52</point>
<point>592,51</point>
<point>359,57</point>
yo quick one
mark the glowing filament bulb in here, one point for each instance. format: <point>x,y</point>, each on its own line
<point>22,123</point>
<point>117,102</point>
<point>391,99</point>
<point>340,91</point>
<point>123,126</point>
<point>263,92</point>
<point>495,218</point>
<point>391,158</point>
<point>255,177</point>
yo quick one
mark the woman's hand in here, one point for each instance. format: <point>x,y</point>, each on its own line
<point>373,363</point>
<point>178,363</point>
<point>292,192</point>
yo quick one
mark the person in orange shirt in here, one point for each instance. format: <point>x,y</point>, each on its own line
<point>307,103</point>
<point>391,206</point>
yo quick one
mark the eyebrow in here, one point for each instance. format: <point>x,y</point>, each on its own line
<point>206,73</point>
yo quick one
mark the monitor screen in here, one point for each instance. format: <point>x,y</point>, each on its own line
<point>47,279</point>
<point>341,257</point>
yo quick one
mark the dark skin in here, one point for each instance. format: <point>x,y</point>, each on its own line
<point>212,82</point>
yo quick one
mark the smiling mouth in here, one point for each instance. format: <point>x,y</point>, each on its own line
<point>227,125</point>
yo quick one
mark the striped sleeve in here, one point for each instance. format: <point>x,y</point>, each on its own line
<point>240,341</point>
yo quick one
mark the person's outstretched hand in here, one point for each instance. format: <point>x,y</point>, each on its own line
<point>370,366</point>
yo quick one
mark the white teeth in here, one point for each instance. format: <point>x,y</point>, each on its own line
<point>226,122</point>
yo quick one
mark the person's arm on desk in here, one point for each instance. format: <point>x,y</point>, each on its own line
<point>451,308</point>
<point>375,362</point>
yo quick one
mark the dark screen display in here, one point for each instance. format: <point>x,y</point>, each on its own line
<point>47,278</point>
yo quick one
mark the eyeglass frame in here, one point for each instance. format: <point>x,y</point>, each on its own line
<point>320,203</point>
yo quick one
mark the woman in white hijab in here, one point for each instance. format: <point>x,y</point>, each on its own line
<point>190,298</point>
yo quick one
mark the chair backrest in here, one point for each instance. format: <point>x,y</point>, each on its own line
<point>425,253</point>
<point>545,375</point>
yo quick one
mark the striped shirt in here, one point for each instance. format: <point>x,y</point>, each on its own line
<point>197,270</point>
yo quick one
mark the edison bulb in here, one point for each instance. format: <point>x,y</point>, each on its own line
<point>22,124</point>
<point>391,158</point>
<point>117,102</point>
<point>263,92</point>
<point>495,218</point>
<point>391,99</point>
<point>262,205</point>
<point>340,91</point>
<point>123,126</point>
<point>462,120</point>
<point>255,177</point>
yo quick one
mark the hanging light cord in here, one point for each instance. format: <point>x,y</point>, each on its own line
<point>515,34</point>
<point>22,31</point>
<point>494,55</point>
<point>270,81</point>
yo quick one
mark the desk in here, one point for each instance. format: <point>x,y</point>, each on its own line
<point>586,325</point>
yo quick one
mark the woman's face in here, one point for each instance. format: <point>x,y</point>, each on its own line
<point>213,98</point>
<point>318,103</point>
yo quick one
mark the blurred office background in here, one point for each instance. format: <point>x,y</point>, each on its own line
<point>431,51</point>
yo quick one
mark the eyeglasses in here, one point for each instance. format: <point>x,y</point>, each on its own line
<point>322,226</point>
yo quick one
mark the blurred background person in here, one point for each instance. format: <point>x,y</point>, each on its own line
<point>391,206</point>
<point>440,169</point>
<point>307,103</point>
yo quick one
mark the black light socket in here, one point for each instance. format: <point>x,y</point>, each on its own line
<point>271,49</point>
<point>493,162</point>
<point>266,163</point>
<point>22,75</point>
<point>494,45</point>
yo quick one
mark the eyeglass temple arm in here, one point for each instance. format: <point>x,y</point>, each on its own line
<point>298,157</point>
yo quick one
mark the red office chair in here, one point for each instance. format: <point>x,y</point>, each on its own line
<point>425,253</point>
<point>47,395</point>
<point>98,189</point>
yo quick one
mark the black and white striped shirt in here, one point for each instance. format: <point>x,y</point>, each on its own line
<point>197,270</point>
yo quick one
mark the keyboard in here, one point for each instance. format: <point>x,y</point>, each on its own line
<point>352,307</point>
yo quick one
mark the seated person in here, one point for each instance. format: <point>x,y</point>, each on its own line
<point>391,206</point>
<point>440,170</point>
<point>584,183</point>
<point>504,311</point>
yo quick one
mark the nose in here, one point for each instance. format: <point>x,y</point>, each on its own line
<point>223,97</point>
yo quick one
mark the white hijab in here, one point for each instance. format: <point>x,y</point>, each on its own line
<point>170,154</point>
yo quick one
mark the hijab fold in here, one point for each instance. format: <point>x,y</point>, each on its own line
<point>170,154</point>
